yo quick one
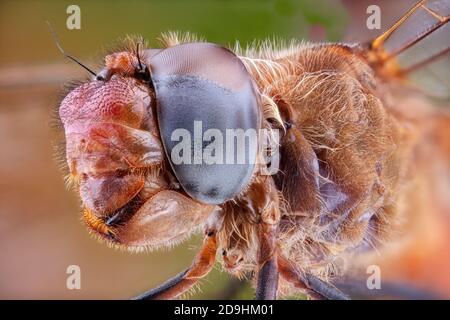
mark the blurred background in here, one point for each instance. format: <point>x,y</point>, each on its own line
<point>41,233</point>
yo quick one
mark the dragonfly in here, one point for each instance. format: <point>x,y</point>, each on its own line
<point>344,145</point>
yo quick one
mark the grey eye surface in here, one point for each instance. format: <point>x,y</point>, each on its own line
<point>205,92</point>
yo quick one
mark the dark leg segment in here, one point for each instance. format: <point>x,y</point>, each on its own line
<point>201,266</point>
<point>310,284</point>
<point>267,283</point>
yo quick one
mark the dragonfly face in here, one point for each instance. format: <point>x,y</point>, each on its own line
<point>115,156</point>
<point>119,132</point>
<point>107,149</point>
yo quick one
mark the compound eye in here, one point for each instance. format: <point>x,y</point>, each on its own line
<point>205,97</point>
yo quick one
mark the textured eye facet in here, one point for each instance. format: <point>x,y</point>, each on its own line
<point>205,91</point>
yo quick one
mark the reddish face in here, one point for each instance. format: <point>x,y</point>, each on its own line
<point>115,156</point>
<point>111,141</point>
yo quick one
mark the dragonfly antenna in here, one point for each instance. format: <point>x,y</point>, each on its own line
<point>55,38</point>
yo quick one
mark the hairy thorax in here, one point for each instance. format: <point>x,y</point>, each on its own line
<point>343,157</point>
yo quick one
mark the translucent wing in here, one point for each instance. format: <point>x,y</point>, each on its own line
<point>420,38</point>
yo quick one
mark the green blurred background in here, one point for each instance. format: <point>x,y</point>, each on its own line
<point>40,229</point>
<point>25,34</point>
